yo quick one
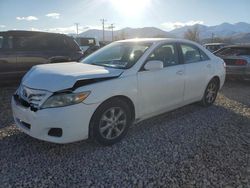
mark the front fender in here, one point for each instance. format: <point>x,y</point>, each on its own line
<point>101,91</point>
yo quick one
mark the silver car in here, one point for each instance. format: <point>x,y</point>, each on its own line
<point>237,59</point>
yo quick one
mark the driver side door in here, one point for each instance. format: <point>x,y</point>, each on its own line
<point>161,90</point>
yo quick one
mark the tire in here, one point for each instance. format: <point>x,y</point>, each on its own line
<point>110,117</point>
<point>210,93</point>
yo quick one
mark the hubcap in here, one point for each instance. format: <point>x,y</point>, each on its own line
<point>112,123</point>
<point>211,92</point>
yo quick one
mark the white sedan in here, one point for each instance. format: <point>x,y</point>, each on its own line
<point>124,82</point>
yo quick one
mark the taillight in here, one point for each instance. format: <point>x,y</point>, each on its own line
<point>240,62</point>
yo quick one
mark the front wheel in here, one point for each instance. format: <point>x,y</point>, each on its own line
<point>110,122</point>
<point>210,93</point>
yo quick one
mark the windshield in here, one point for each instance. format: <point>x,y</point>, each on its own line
<point>118,55</point>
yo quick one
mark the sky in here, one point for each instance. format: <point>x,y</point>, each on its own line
<point>61,15</point>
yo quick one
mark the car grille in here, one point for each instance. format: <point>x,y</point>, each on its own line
<point>31,97</point>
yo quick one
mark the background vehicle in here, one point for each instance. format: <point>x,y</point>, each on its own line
<point>212,47</point>
<point>20,50</point>
<point>88,45</point>
<point>237,59</point>
<point>125,81</point>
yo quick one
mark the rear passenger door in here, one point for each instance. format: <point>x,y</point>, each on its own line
<point>197,68</point>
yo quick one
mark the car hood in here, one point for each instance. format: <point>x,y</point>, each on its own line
<point>60,76</point>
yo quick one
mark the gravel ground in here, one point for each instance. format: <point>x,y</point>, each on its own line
<point>190,147</point>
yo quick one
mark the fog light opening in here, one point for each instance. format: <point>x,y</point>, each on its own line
<point>57,132</point>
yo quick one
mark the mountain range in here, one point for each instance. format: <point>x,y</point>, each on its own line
<point>239,32</point>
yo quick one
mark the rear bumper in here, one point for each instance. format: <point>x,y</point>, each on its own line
<point>238,71</point>
<point>73,121</point>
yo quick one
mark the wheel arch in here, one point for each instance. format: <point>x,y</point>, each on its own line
<point>217,78</point>
<point>120,97</point>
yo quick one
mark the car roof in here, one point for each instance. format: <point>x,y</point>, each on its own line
<point>155,40</point>
<point>212,44</point>
<point>24,32</point>
<point>238,46</point>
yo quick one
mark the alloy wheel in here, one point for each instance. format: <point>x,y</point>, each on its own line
<point>211,92</point>
<point>112,123</point>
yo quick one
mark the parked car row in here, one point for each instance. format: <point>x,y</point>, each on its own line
<point>20,50</point>
<point>236,57</point>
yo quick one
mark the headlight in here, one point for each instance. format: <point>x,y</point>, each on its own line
<point>65,99</point>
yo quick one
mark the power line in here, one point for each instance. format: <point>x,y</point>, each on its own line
<point>103,26</point>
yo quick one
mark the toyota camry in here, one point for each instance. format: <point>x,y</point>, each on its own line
<point>123,83</point>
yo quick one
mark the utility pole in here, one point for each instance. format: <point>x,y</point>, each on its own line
<point>112,29</point>
<point>212,37</point>
<point>77,24</point>
<point>103,24</point>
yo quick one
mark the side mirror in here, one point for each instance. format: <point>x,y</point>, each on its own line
<point>153,65</point>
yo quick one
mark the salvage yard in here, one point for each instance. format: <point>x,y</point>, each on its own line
<point>189,147</point>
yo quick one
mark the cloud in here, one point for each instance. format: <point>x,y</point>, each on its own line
<point>71,29</point>
<point>28,18</point>
<point>35,29</point>
<point>2,26</point>
<point>174,25</point>
<point>53,15</point>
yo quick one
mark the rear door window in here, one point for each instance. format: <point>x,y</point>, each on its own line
<point>6,42</point>
<point>23,43</point>
<point>57,43</point>
<point>39,42</point>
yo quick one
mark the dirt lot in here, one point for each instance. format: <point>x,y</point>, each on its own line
<point>190,147</point>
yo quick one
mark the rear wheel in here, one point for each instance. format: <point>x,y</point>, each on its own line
<point>210,93</point>
<point>110,122</point>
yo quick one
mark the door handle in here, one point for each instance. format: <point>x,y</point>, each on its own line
<point>180,72</point>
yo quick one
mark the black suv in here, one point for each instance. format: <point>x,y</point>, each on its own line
<point>20,50</point>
